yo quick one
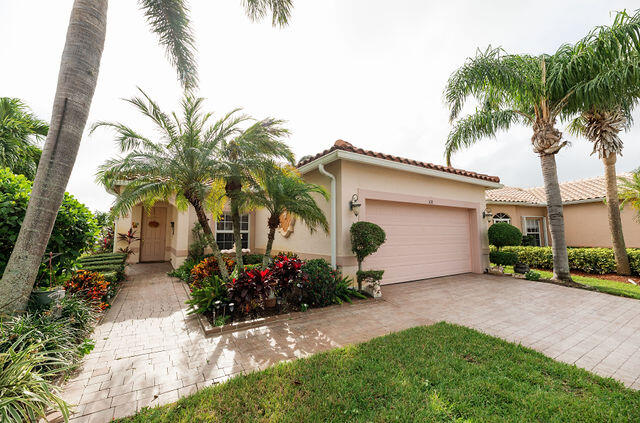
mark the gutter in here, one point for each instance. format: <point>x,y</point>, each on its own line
<point>376,161</point>
<point>333,224</point>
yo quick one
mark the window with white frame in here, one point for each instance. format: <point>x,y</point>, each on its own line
<point>224,231</point>
<point>501,218</point>
<point>533,229</point>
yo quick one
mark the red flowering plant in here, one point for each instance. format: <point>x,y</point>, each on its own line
<point>250,289</point>
<point>91,286</point>
<point>286,274</point>
<point>206,269</point>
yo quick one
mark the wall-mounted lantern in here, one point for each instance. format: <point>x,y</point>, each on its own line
<point>173,228</point>
<point>486,214</point>
<point>354,206</point>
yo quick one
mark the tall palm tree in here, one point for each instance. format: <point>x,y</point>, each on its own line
<point>240,159</point>
<point>77,79</point>
<point>281,190</point>
<point>19,128</point>
<point>181,163</point>
<point>536,91</point>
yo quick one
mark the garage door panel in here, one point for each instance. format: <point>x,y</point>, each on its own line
<point>422,241</point>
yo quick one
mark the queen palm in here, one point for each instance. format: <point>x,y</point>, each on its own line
<point>181,164</point>
<point>281,190</point>
<point>241,158</point>
<point>19,128</point>
<point>630,191</point>
<point>536,91</point>
<point>77,79</point>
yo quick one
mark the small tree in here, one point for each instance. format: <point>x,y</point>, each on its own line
<point>503,234</point>
<point>366,238</point>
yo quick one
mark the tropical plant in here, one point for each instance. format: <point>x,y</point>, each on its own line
<point>91,286</point>
<point>183,163</point>
<point>78,74</point>
<point>204,298</point>
<point>535,91</point>
<point>366,238</point>
<point>27,392</point>
<point>319,283</point>
<point>104,243</point>
<point>19,128</point>
<point>241,160</point>
<point>281,190</point>
<point>502,234</point>
<point>630,191</point>
<point>286,272</point>
<point>128,238</point>
<point>250,290</point>
<point>73,232</point>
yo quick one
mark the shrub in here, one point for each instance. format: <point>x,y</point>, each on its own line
<point>532,275</point>
<point>589,260</point>
<point>207,268</point>
<point>366,238</point>
<point>286,273</point>
<point>249,290</point>
<point>319,283</point>
<point>252,258</point>
<point>344,291</point>
<point>529,241</point>
<point>503,258</point>
<point>203,299</point>
<point>27,392</point>
<point>74,230</point>
<point>502,234</point>
<point>91,286</point>
<point>183,272</point>
<point>375,275</point>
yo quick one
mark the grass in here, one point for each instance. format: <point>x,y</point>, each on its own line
<point>603,285</point>
<point>437,373</point>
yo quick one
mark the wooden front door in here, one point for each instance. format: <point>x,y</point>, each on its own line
<point>153,234</point>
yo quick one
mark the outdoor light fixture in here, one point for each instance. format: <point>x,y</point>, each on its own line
<point>354,206</point>
<point>173,228</point>
<point>487,214</point>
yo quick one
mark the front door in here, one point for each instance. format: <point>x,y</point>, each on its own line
<point>154,223</point>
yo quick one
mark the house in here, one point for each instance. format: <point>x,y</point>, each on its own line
<point>434,217</point>
<point>585,213</point>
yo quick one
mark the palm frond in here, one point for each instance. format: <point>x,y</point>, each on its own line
<point>280,10</point>
<point>169,19</point>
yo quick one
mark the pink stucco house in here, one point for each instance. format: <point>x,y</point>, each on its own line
<point>434,217</point>
<point>585,213</point>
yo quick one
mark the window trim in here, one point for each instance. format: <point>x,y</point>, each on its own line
<point>501,219</point>
<point>230,231</point>
<point>539,233</point>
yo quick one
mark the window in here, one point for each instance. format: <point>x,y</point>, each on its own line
<point>533,229</point>
<point>224,231</point>
<point>501,218</point>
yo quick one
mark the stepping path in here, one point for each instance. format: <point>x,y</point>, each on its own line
<point>150,352</point>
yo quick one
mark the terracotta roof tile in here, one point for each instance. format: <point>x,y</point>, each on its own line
<point>345,146</point>
<point>583,189</point>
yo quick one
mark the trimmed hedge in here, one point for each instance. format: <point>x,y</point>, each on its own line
<point>110,265</point>
<point>589,260</point>
<point>503,258</point>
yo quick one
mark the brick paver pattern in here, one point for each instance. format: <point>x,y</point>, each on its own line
<point>150,352</point>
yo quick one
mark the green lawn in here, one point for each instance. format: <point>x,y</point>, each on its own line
<point>438,373</point>
<point>604,285</point>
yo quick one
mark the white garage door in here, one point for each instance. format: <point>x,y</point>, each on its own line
<point>422,241</point>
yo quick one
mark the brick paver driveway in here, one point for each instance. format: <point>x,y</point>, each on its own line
<point>149,352</point>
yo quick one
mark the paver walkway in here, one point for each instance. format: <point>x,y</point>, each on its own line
<point>149,352</point>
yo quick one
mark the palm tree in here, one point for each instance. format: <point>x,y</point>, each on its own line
<point>181,163</point>
<point>281,190</point>
<point>18,129</point>
<point>630,191</point>
<point>535,91</point>
<point>77,80</point>
<point>240,158</point>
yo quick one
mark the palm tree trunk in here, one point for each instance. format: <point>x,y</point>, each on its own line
<point>77,81</point>
<point>556,218</point>
<point>237,236</point>
<point>613,210</point>
<point>272,223</point>
<point>208,234</point>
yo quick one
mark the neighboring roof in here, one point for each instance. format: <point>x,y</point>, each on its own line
<point>345,146</point>
<point>572,191</point>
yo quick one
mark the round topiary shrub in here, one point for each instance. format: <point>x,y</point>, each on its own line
<point>366,238</point>
<point>503,234</point>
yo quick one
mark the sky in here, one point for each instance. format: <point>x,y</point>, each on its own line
<point>371,72</point>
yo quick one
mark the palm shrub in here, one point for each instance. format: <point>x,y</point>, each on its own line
<point>536,91</point>
<point>281,190</point>
<point>366,238</point>
<point>26,391</point>
<point>630,191</point>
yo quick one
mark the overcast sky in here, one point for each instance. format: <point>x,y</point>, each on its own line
<point>367,71</point>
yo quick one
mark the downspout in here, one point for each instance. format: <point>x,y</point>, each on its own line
<point>332,228</point>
